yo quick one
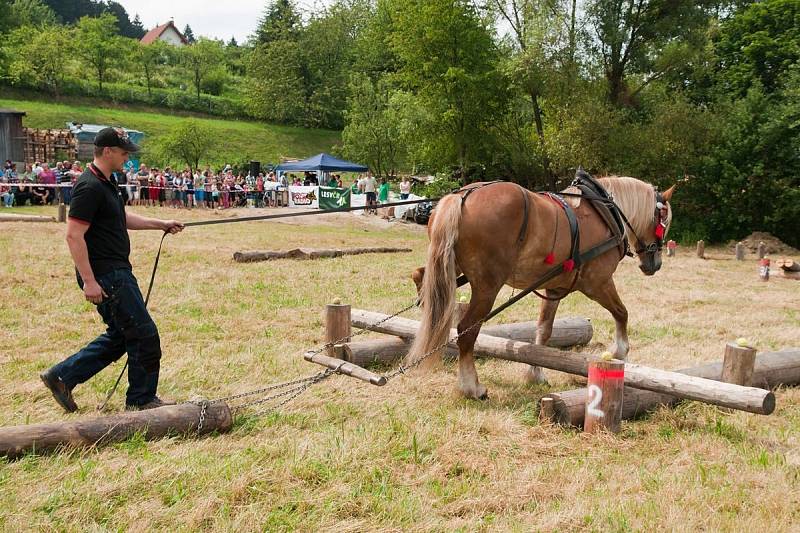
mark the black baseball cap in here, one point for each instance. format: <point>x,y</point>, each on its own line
<point>115,137</point>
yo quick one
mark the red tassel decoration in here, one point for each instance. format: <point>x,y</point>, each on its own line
<point>569,264</point>
<point>550,259</point>
<point>660,231</point>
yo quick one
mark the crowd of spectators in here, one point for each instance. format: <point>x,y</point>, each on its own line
<point>41,184</point>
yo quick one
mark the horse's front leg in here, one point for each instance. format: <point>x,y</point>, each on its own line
<point>607,296</point>
<point>479,307</point>
<point>544,329</point>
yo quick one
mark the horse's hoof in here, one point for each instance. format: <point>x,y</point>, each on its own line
<point>478,393</point>
<point>535,376</point>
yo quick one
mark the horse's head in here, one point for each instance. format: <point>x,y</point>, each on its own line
<point>648,243</point>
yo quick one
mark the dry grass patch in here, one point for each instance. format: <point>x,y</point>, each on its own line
<point>411,456</point>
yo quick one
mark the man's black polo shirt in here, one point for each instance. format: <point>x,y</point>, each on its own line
<point>96,201</point>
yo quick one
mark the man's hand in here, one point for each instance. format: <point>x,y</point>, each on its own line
<point>94,292</point>
<point>172,226</point>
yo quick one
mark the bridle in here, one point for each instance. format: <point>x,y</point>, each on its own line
<point>659,221</point>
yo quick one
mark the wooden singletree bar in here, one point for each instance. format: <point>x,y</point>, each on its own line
<point>771,370</point>
<point>181,419</point>
<point>310,253</point>
<point>748,399</point>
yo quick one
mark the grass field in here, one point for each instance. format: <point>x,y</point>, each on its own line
<point>411,456</point>
<point>236,141</point>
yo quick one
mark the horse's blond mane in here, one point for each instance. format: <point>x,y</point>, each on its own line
<point>636,199</point>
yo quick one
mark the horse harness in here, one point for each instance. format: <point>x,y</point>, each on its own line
<point>609,212</point>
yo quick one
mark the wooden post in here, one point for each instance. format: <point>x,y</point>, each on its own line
<point>337,325</point>
<point>737,367</point>
<point>604,396</point>
<point>762,250</point>
<point>701,249</point>
<point>62,212</point>
<point>763,269</point>
<point>740,251</point>
<point>178,419</point>
<point>671,246</point>
<point>546,410</point>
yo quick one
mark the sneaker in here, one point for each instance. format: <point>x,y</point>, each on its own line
<point>152,404</point>
<point>61,393</point>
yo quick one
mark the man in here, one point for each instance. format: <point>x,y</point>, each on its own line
<point>97,237</point>
<point>370,186</point>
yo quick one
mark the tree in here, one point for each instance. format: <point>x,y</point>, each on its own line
<point>275,80</point>
<point>138,27</point>
<point>189,34</point>
<point>631,35</point>
<point>38,57</point>
<point>449,62</point>
<point>189,143</point>
<point>758,46</point>
<point>151,58</point>
<point>99,45</point>
<point>280,21</point>
<point>372,133</point>
<point>124,25</point>
<point>200,59</point>
<point>30,13</point>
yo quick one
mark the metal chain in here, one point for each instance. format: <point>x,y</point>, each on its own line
<point>403,369</point>
<point>203,408</point>
<point>302,384</point>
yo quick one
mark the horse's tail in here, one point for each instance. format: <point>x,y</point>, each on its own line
<point>437,294</point>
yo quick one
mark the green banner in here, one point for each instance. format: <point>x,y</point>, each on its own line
<point>333,198</point>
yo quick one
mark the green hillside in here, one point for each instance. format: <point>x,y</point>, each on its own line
<point>237,140</point>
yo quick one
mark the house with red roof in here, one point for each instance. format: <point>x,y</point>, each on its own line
<point>166,32</point>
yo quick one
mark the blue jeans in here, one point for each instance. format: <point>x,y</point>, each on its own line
<point>129,329</point>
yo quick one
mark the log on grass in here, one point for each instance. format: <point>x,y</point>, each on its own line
<point>311,253</point>
<point>748,399</point>
<point>181,419</point>
<point>772,370</point>
<point>10,217</point>
<point>569,331</point>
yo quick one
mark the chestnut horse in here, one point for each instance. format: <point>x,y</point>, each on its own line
<point>495,237</point>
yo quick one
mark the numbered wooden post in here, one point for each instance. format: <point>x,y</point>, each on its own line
<point>737,367</point>
<point>604,396</point>
<point>701,249</point>
<point>337,326</point>
<point>762,250</point>
<point>740,251</point>
<point>671,246</point>
<point>763,269</point>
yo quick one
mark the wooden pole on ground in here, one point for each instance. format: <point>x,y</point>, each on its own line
<point>546,412</point>
<point>772,370</point>
<point>604,396</point>
<point>701,249</point>
<point>740,251</point>
<point>748,399</point>
<point>337,325</point>
<point>181,419</point>
<point>762,250</point>
<point>737,367</point>
<point>567,332</point>
<point>62,212</point>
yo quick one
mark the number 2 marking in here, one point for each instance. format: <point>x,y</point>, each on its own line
<point>595,395</point>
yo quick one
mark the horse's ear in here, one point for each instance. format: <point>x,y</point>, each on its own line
<point>667,195</point>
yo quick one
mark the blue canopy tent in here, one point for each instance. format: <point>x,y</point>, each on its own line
<point>323,163</point>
